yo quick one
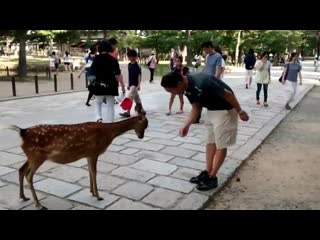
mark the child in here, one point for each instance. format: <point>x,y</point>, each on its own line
<point>134,81</point>
<point>177,68</point>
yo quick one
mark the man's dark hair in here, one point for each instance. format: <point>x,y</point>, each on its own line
<point>105,46</point>
<point>251,51</point>
<point>171,80</point>
<point>132,53</point>
<point>185,71</point>
<point>207,44</point>
<point>113,41</point>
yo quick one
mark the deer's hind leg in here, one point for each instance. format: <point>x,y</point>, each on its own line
<point>22,172</point>
<point>92,164</point>
<point>34,164</point>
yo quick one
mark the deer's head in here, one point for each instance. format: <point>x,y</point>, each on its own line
<point>141,125</point>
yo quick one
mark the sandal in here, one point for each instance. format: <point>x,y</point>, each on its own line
<point>99,120</point>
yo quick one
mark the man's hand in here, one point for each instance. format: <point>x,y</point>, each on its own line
<point>184,131</point>
<point>243,116</point>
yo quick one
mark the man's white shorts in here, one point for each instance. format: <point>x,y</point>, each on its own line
<point>222,127</point>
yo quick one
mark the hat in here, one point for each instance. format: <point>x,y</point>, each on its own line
<point>126,104</point>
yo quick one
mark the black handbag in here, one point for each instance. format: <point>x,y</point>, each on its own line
<point>285,77</point>
<point>100,88</point>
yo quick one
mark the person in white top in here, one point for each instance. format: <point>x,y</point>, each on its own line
<point>152,62</point>
<point>263,77</point>
<point>67,61</point>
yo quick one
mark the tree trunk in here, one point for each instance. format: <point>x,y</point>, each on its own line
<point>189,57</point>
<point>22,59</point>
<point>237,47</point>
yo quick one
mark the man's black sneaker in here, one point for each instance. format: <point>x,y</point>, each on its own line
<point>202,176</point>
<point>208,184</point>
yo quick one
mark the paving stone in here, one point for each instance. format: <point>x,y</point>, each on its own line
<point>129,151</point>
<point>179,152</point>
<point>14,178</point>
<point>145,146</point>
<point>6,170</point>
<point>115,148</point>
<point>172,183</point>
<point>154,156</point>
<point>154,134</point>
<point>201,157</point>
<point>56,187</point>
<point>53,203</point>
<point>80,163</point>
<point>120,141</point>
<point>194,147</point>
<point>126,204</point>
<point>118,159</point>
<point>67,173</point>
<point>7,159</point>
<point>185,173</point>
<point>83,207</point>
<point>104,182</point>
<point>163,198</point>
<point>133,190</point>
<point>15,150</point>
<point>105,168</point>
<point>85,197</point>
<point>188,140</point>
<point>165,142</point>
<point>133,174</point>
<point>193,201</point>
<point>182,162</point>
<point>9,197</point>
<point>154,166</point>
<point>134,137</point>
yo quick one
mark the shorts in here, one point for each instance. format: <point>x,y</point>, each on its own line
<point>249,73</point>
<point>222,126</point>
<point>66,63</point>
<point>56,65</point>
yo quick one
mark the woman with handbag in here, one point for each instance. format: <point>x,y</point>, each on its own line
<point>107,71</point>
<point>263,77</point>
<point>291,71</point>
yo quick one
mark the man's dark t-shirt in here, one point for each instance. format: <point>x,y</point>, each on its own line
<point>134,72</point>
<point>208,91</point>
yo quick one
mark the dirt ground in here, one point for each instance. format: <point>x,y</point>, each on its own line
<point>284,173</point>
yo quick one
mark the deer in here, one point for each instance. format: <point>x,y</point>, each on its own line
<point>67,143</point>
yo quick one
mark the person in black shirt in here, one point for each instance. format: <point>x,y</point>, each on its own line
<point>134,81</point>
<point>203,90</point>
<point>107,71</point>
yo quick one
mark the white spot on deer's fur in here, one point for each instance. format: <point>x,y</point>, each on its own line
<point>36,140</point>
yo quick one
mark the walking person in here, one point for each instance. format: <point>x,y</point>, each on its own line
<point>134,85</point>
<point>152,63</point>
<point>107,71</point>
<point>291,72</point>
<point>90,77</point>
<point>203,90</point>
<point>263,77</point>
<point>179,69</point>
<point>249,61</point>
<point>67,61</point>
<point>213,63</point>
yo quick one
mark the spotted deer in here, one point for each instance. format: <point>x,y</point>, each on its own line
<point>65,144</point>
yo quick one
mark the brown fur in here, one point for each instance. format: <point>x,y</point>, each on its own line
<point>68,143</point>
